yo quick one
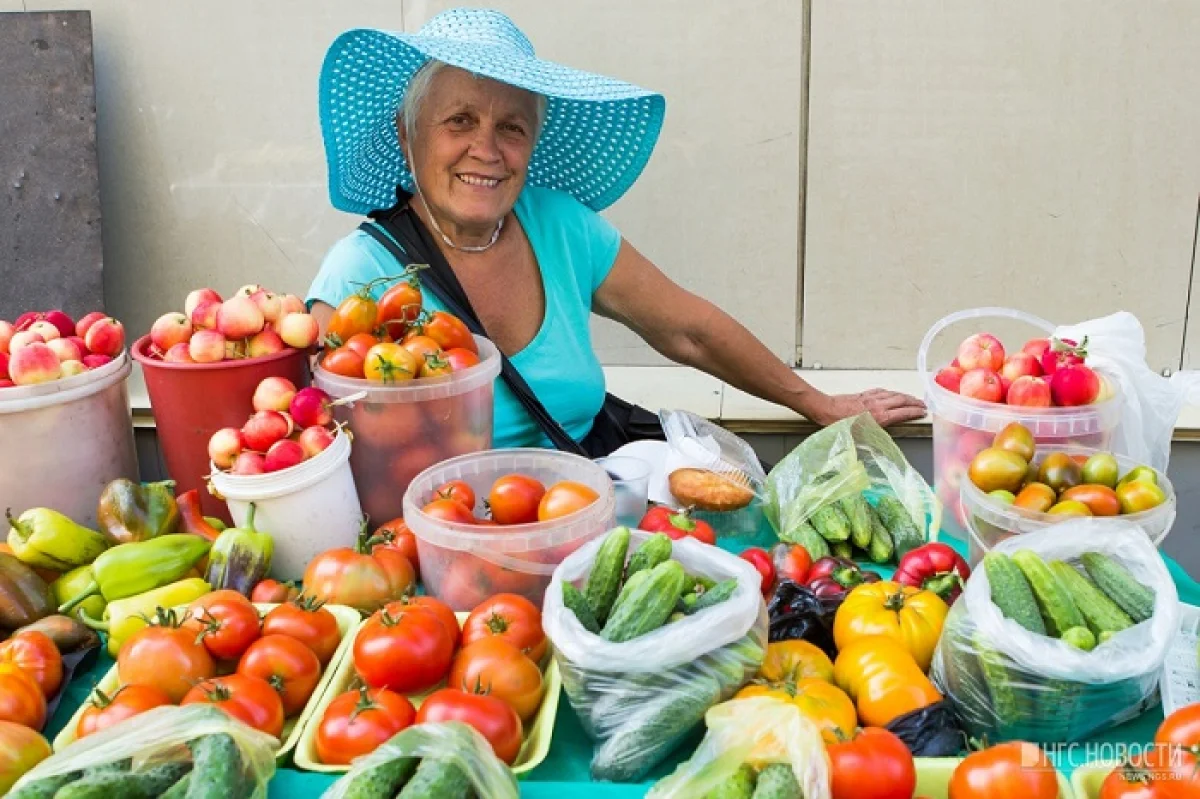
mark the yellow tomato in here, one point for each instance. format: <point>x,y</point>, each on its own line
<point>912,616</point>
<point>390,363</point>
<point>821,702</point>
<point>880,675</point>
<point>795,660</point>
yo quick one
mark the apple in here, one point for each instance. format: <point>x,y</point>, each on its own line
<point>94,360</point>
<point>299,330</point>
<point>204,315</point>
<point>64,323</point>
<point>206,346</point>
<point>65,350</point>
<point>274,394</point>
<point>4,365</point>
<point>1036,347</point>
<point>23,338</point>
<point>264,342</point>
<point>179,353</point>
<point>248,463</point>
<point>248,290</point>
<point>311,407</point>
<point>81,327</point>
<point>6,334</point>
<point>981,351</point>
<point>235,350</point>
<point>72,368</point>
<point>314,440</point>
<point>78,341</point>
<point>270,304</point>
<point>170,329</point>
<point>34,363</point>
<point>1074,384</point>
<point>1063,352</point>
<point>1020,364</point>
<point>264,428</point>
<point>224,446</point>
<point>1029,392</point>
<point>195,298</point>
<point>106,336</point>
<point>949,378</point>
<point>290,303</point>
<point>239,317</point>
<point>283,454</point>
<point>981,384</point>
<point>47,331</point>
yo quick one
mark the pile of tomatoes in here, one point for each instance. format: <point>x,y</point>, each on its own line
<point>260,670</point>
<point>490,667</point>
<point>31,673</point>
<point>393,340</point>
<point>512,499</point>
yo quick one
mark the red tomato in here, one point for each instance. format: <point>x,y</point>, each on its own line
<point>458,490</point>
<point>309,622</point>
<point>495,667</point>
<point>677,524</point>
<point>166,657</point>
<point>511,617</point>
<point>421,346</point>
<point>791,562</point>
<point>1135,780</point>
<point>514,499</point>
<point>129,700</point>
<point>343,361</point>
<point>226,622</point>
<point>290,667</point>
<point>357,722</point>
<point>760,560</point>
<point>408,651</point>
<point>563,499</point>
<point>250,700</point>
<point>491,717</point>
<point>460,358</point>
<point>355,314</point>
<point>396,535</point>
<point>21,700</point>
<point>449,332</point>
<point>430,605</point>
<point>35,654</point>
<point>874,764</point>
<point>345,576</point>
<point>464,582</point>
<point>1004,771</point>
<point>449,510</point>
<point>272,592</point>
<point>21,748</point>
<point>1179,739</point>
<point>399,307</point>
<point>361,343</point>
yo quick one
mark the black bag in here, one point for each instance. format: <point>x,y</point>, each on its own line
<point>618,422</point>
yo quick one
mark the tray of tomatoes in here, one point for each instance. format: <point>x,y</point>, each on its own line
<point>417,661</point>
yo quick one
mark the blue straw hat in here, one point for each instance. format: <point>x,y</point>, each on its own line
<point>597,137</point>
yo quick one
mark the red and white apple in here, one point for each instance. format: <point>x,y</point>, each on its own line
<point>81,327</point>
<point>34,363</point>
<point>1074,384</point>
<point>1029,392</point>
<point>315,440</point>
<point>170,329</point>
<point>106,337</point>
<point>195,298</point>
<point>981,384</point>
<point>270,304</point>
<point>981,351</point>
<point>65,350</point>
<point>311,407</point>
<point>239,318</point>
<point>299,330</point>
<point>283,454</point>
<point>45,329</point>
<point>1020,364</point>
<point>23,338</point>
<point>264,428</point>
<point>179,353</point>
<point>264,342</point>
<point>224,446</point>
<point>248,463</point>
<point>204,315</point>
<point>6,334</point>
<point>273,394</point>
<point>949,378</point>
<point>94,360</point>
<point>72,368</point>
<point>206,346</point>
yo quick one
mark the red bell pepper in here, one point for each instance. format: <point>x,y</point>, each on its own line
<point>191,517</point>
<point>677,524</point>
<point>934,567</point>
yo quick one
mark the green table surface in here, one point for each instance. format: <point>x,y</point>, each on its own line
<point>565,770</point>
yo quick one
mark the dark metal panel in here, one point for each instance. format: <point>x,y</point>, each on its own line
<point>50,245</point>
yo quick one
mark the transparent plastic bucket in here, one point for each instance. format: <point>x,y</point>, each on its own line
<point>307,508</point>
<point>989,522</point>
<point>464,564</point>
<point>962,427</point>
<point>400,430</point>
<point>66,440</point>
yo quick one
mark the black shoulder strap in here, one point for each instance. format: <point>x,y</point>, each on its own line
<point>410,243</point>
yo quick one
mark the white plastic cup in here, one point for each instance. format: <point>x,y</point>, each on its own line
<point>307,508</point>
<point>631,480</point>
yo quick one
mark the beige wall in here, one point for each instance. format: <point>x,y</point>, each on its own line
<point>960,154</point>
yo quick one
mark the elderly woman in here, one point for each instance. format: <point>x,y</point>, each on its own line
<point>460,131</point>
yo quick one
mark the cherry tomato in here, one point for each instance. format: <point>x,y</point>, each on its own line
<point>165,656</point>
<point>563,499</point>
<point>421,346</point>
<point>460,358</point>
<point>434,365</point>
<point>345,362</point>
<point>35,654</point>
<point>226,622</point>
<point>399,307</point>
<point>760,560</point>
<point>21,699</point>
<point>272,592</point>
<point>290,667</point>
<point>21,748</point>
<point>129,700</point>
<point>874,764</point>
<point>1006,770</point>
<point>791,562</point>
<point>361,343</point>
<point>355,314</point>
<point>491,717</point>
<point>250,700</point>
<point>449,510</point>
<point>408,651</point>
<point>495,667</point>
<point>390,363</point>
<point>307,620</point>
<point>511,617</point>
<point>430,605</point>
<point>514,499</point>
<point>357,722</point>
<point>396,535</point>
<point>459,490</point>
<point>449,332</point>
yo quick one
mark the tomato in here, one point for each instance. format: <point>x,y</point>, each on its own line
<point>21,748</point>
<point>821,702</point>
<point>35,654</point>
<point>272,591</point>
<point>408,651</point>
<point>357,722</point>
<point>103,711</point>
<point>399,307</point>
<point>1018,439</point>
<point>791,562</point>
<point>464,582</point>
<point>430,605</point>
<point>458,490</point>
<point>564,498</point>
<point>435,365</point>
<point>1139,495</point>
<point>874,764</point>
<point>514,499</point>
<point>677,524</point>
<point>449,510</point>
<point>1004,771</point>
<point>290,667</point>
<point>396,535</point>
<point>1100,500</point>
<point>390,363</point>
<point>166,657</point>
<point>910,615</point>
<point>513,618</point>
<point>21,699</point>
<point>346,576</point>
<point>1179,740</point>
<point>343,361</point>
<point>226,622</point>
<point>491,717</point>
<point>355,314</point>
<point>795,660</point>
<point>1037,497</point>
<point>883,679</point>
<point>1135,780</point>
<point>361,343</point>
<point>997,469</point>
<point>250,700</point>
<point>449,332</point>
<point>495,667</point>
<point>421,346</point>
<point>761,561</point>
<point>460,358</point>
<point>1059,471</point>
<point>306,620</point>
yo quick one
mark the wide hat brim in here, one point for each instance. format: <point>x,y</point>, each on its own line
<point>597,137</point>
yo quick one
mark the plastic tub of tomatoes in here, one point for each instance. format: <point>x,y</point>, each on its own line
<point>540,506</point>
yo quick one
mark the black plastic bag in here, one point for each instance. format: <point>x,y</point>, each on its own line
<point>796,612</point>
<point>931,731</point>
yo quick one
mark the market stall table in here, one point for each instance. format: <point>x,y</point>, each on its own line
<point>566,767</point>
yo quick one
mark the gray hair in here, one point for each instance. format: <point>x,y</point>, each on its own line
<point>418,90</point>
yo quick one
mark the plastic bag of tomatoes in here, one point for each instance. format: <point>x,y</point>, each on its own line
<point>165,743</point>
<point>439,748</point>
<point>638,699</point>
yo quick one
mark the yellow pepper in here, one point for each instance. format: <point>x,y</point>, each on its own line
<point>125,617</point>
<point>46,538</point>
<point>74,582</point>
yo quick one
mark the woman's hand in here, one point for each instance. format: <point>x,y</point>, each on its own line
<point>886,407</point>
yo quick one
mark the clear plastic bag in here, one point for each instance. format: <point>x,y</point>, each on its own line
<point>759,731</point>
<point>1008,683</point>
<point>637,699</point>
<point>844,459</point>
<point>1150,403</point>
<point>161,735</point>
<point>452,741</point>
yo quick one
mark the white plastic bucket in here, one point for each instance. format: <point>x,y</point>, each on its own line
<point>66,440</point>
<point>307,509</point>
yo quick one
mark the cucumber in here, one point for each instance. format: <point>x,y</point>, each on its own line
<point>738,785</point>
<point>881,547</point>
<point>653,551</point>
<point>1054,601</point>
<point>383,781</point>
<point>1011,592</point>
<point>719,593</point>
<point>1080,638</point>
<point>906,535</point>
<point>831,523</point>
<point>804,535</point>
<point>179,789</point>
<point>1100,612</point>
<point>647,605</point>
<point>858,513</point>
<point>218,768</point>
<point>437,779</point>
<point>842,549</point>
<point>604,581</point>
<point>695,584</point>
<point>1120,586</point>
<point>777,781</point>
<point>628,588</point>
<point>575,602</point>
<point>46,787</point>
<point>1009,704</point>
<point>146,784</point>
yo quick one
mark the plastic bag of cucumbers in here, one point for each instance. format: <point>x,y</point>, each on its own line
<point>649,633</point>
<point>447,760</point>
<point>196,750</point>
<point>849,488</point>
<point>1059,633</point>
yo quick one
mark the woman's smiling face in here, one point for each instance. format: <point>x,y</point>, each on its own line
<point>470,148</point>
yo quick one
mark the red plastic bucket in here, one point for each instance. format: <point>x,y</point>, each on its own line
<point>191,401</point>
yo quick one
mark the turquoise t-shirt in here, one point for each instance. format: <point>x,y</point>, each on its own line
<point>575,249</point>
